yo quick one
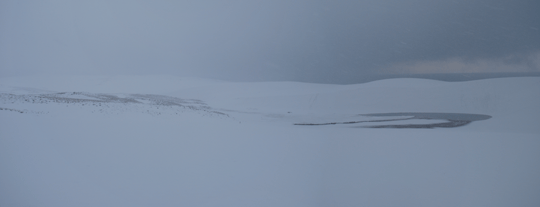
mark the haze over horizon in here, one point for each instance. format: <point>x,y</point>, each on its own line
<point>309,41</point>
<point>269,103</point>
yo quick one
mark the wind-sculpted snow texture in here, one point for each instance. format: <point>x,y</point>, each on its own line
<point>112,103</point>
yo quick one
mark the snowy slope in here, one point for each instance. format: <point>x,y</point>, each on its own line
<point>168,141</point>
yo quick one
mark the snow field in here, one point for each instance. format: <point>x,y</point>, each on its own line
<point>257,157</point>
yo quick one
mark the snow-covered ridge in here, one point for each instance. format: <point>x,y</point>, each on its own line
<point>109,103</point>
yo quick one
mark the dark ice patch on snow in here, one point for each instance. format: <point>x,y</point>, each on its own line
<point>452,120</point>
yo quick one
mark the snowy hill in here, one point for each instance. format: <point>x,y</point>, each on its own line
<point>168,141</point>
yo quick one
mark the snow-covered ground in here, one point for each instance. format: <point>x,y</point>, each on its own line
<point>169,141</point>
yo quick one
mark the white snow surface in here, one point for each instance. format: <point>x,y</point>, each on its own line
<point>170,141</point>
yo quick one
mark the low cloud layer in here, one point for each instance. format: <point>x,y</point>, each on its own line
<point>312,41</point>
<point>509,64</point>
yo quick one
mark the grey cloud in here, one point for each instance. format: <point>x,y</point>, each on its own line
<point>314,41</point>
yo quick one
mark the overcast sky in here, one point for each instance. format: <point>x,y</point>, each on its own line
<point>272,40</point>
